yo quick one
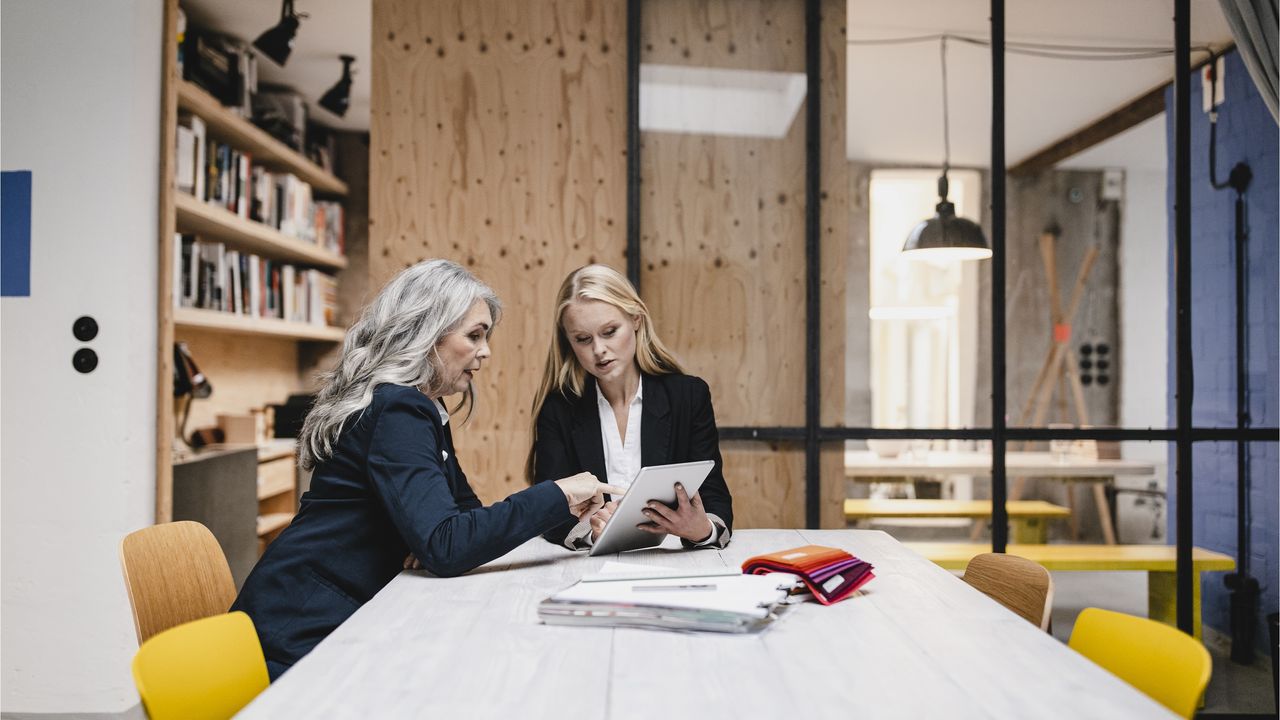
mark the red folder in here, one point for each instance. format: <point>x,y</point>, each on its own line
<point>831,574</point>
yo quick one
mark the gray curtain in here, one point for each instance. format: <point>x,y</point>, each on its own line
<point>1254,27</point>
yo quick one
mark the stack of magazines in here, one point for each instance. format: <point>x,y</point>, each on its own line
<point>831,574</point>
<point>723,601</point>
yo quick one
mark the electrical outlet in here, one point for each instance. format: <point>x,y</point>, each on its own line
<point>1206,79</point>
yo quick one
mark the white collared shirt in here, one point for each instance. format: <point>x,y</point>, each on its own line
<point>621,455</point>
<point>621,460</point>
<point>444,420</point>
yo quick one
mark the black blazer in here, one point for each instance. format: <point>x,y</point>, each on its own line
<point>677,425</point>
<point>393,486</point>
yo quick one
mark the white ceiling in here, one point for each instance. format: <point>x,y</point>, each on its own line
<point>1141,147</point>
<point>333,28</point>
<point>895,103</point>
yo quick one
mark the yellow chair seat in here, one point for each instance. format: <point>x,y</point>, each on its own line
<point>203,670</point>
<point>1170,667</point>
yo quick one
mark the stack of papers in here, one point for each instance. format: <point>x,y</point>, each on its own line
<point>643,596</point>
<point>831,574</point>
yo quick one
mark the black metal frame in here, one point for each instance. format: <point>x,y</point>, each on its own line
<point>813,434</point>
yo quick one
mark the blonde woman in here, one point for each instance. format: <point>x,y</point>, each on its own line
<point>386,479</point>
<point>614,399</point>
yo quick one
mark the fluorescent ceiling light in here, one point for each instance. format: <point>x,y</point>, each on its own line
<point>716,101</point>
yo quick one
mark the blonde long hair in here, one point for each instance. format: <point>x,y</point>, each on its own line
<point>563,373</point>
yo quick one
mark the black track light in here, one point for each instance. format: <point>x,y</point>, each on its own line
<point>338,97</point>
<point>277,42</point>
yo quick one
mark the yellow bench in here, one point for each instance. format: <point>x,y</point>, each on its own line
<point>1158,561</point>
<point>1028,517</point>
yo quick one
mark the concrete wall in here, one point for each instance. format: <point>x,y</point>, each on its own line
<point>1246,132</point>
<point>81,111</point>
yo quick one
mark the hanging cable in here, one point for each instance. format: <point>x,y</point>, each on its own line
<point>946,116</point>
<point>1054,51</point>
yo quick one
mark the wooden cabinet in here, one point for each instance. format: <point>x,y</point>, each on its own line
<point>250,360</point>
<point>277,490</point>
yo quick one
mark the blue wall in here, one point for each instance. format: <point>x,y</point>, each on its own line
<point>1246,132</point>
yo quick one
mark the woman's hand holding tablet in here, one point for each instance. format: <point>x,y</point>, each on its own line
<point>654,484</point>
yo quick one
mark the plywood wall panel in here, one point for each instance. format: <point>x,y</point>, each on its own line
<point>722,242</point>
<point>737,34</point>
<point>498,140</point>
<point>834,217</point>
<point>767,482</point>
<point>722,218</point>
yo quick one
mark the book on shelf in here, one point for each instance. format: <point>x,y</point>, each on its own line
<point>217,173</point>
<point>184,160</point>
<point>209,276</point>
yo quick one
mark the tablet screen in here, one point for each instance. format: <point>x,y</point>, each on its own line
<point>656,482</point>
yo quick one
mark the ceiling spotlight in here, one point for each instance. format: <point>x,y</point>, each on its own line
<point>338,97</point>
<point>277,42</point>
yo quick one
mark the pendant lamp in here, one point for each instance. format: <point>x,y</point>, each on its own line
<point>945,236</point>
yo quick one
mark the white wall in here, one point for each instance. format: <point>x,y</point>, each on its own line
<point>81,98</point>
<point>1144,280</point>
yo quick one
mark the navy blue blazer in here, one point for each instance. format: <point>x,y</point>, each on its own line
<point>393,486</point>
<point>677,425</point>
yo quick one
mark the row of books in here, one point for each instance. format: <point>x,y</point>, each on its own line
<point>209,276</point>
<point>217,173</point>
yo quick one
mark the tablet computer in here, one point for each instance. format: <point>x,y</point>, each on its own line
<point>656,482</point>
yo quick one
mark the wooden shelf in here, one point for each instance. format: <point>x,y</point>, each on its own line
<point>272,522</point>
<point>247,137</point>
<point>277,449</point>
<point>211,221</point>
<point>272,488</point>
<point>225,322</point>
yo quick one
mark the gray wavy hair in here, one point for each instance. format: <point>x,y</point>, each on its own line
<point>394,341</point>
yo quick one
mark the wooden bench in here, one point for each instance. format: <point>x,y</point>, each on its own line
<point>1158,561</point>
<point>1030,518</point>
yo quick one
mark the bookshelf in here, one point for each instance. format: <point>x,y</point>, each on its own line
<point>234,130</point>
<point>251,357</point>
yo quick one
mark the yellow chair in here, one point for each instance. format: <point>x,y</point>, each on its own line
<point>1164,663</point>
<point>203,670</point>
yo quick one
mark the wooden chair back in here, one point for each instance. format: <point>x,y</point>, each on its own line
<point>175,573</point>
<point>1017,583</point>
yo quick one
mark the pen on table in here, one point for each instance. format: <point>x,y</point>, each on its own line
<point>699,586</point>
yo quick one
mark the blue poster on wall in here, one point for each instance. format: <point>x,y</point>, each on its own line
<point>15,234</point>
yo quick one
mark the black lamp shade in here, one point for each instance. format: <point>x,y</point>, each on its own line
<point>338,98</point>
<point>945,236</point>
<point>277,42</point>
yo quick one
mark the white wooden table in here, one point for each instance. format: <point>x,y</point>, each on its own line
<point>864,465</point>
<point>915,642</point>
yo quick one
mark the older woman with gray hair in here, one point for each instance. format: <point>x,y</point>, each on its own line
<point>386,481</point>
